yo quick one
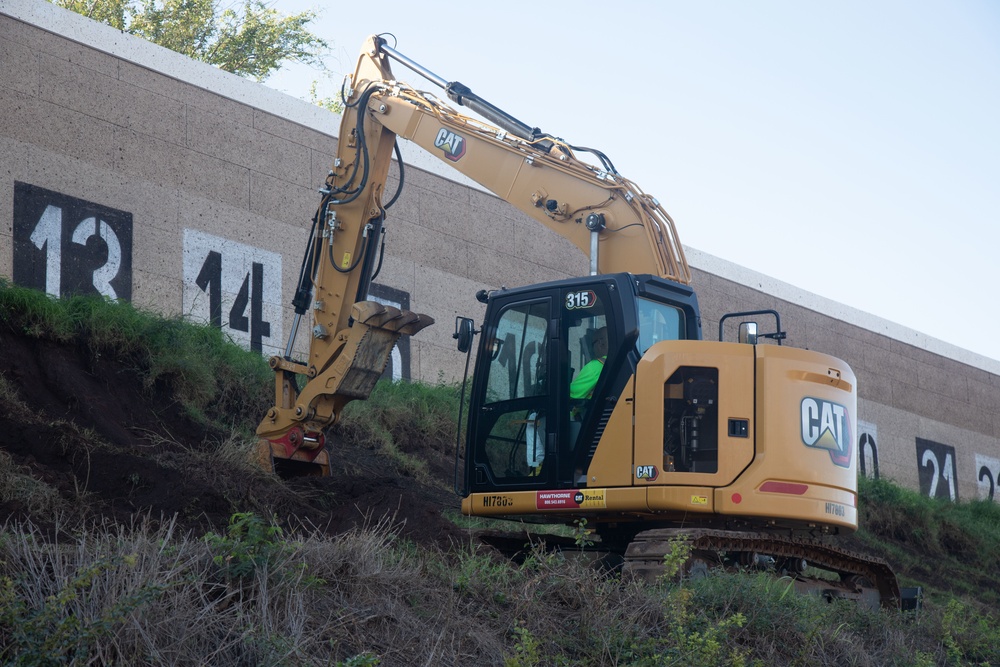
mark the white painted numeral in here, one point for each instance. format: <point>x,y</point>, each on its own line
<point>47,237</point>
<point>103,275</point>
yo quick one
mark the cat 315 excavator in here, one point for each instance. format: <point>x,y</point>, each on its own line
<point>745,449</point>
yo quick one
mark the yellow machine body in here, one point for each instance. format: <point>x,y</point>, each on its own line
<point>785,434</point>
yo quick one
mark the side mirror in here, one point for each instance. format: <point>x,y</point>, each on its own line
<point>464,330</point>
<point>748,330</point>
<point>748,333</point>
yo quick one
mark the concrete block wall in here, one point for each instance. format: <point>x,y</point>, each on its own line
<point>139,129</point>
<point>203,162</point>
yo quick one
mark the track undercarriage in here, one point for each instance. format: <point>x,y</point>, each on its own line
<point>842,574</point>
<point>813,566</point>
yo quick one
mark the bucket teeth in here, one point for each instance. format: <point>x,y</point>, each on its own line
<point>388,317</point>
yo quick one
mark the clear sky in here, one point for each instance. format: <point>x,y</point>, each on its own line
<point>851,149</point>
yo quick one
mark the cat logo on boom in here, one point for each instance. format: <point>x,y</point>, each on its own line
<point>826,425</point>
<point>452,144</point>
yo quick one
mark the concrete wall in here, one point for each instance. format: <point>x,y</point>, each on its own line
<point>207,183</point>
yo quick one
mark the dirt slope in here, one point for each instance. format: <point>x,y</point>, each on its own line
<point>105,446</point>
<point>86,426</point>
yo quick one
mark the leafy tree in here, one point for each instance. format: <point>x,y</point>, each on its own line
<point>251,40</point>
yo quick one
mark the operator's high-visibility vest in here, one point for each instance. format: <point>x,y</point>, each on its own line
<point>583,384</point>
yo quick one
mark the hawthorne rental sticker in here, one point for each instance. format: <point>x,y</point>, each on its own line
<point>570,499</point>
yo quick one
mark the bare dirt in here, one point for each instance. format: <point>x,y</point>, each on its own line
<point>87,426</point>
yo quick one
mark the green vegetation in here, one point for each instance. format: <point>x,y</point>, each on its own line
<point>216,381</point>
<point>151,596</point>
<point>401,418</point>
<point>264,591</point>
<point>948,548</point>
<point>250,39</point>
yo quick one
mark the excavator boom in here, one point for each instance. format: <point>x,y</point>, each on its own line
<point>605,215</point>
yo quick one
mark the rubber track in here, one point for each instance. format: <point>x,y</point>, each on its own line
<point>645,554</point>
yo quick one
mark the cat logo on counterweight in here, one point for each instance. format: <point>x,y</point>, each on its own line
<point>826,425</point>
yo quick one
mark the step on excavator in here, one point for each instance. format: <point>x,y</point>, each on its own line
<point>593,398</point>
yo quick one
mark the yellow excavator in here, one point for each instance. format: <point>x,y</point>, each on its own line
<point>594,397</point>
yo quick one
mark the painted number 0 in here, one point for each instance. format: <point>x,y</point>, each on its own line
<point>986,476</point>
<point>929,460</point>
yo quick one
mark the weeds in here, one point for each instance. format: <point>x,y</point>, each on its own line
<point>399,415</point>
<point>128,594</point>
<point>582,534</point>
<point>17,485</point>
<point>249,545</point>
<point>54,631</point>
<point>527,650</point>
<point>257,593</point>
<point>361,660</point>
<point>913,531</point>
<point>213,377</point>
<point>675,559</point>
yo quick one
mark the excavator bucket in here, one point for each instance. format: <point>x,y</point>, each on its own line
<point>375,332</point>
<point>293,442</point>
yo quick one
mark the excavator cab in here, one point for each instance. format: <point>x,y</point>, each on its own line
<point>532,424</point>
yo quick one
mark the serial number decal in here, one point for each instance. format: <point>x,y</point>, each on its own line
<point>584,299</point>
<point>836,509</point>
<point>570,499</point>
<point>498,501</point>
<point>699,500</point>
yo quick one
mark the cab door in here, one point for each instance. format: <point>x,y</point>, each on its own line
<point>513,427</point>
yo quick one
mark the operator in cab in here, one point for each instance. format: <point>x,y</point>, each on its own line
<point>582,386</point>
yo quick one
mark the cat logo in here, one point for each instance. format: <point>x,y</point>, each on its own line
<point>452,144</point>
<point>648,473</point>
<point>827,425</point>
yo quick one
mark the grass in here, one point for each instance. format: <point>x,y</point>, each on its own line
<point>951,548</point>
<point>254,594</point>
<point>145,592</point>
<point>17,485</point>
<point>401,418</point>
<point>213,378</point>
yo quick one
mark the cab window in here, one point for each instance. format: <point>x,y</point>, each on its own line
<point>657,322</point>
<point>517,352</point>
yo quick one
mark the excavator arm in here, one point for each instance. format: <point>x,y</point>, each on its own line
<point>352,337</point>
<point>605,215</point>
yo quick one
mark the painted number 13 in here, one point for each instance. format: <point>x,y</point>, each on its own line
<point>47,236</point>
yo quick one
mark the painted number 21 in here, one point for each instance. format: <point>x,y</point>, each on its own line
<point>946,472</point>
